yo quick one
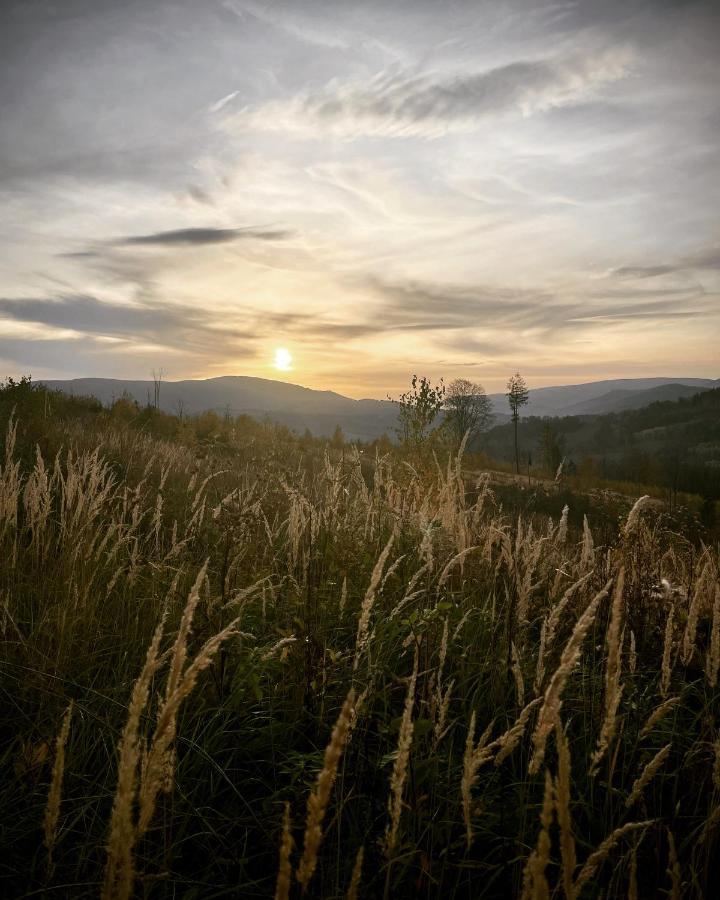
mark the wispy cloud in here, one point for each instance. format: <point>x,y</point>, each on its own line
<point>169,325</point>
<point>404,104</point>
<point>223,101</point>
<point>199,236</point>
<point>287,21</point>
<point>708,259</point>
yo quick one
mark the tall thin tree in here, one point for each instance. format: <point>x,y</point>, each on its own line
<point>517,394</point>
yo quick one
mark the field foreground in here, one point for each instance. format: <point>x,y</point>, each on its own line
<point>266,670</point>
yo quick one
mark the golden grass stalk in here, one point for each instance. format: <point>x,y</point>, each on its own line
<point>568,854</point>
<point>320,796</point>
<point>369,602</point>
<point>119,868</point>
<point>512,737</point>
<point>352,893</point>
<point>647,774</point>
<point>454,561</point>
<point>441,728</point>
<point>400,767</point>
<point>284,875</point>
<point>442,655</point>
<point>474,757</point>
<point>697,604</point>
<point>673,868</point>
<point>587,554</point>
<point>179,651</point>
<point>517,674</point>
<point>656,715</point>
<point>550,625</point>
<point>157,776</point>
<point>713,658</point>
<point>596,859</point>
<point>535,885</point>
<point>613,688</point>
<point>343,595</point>
<point>52,809</point>
<point>550,711</point>
<point>278,646</point>
<point>633,879</point>
<point>562,530</point>
<point>633,519</point>
<point>666,665</point>
<point>158,761</point>
<point>540,664</point>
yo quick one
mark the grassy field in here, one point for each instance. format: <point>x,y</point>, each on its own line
<point>259,666</point>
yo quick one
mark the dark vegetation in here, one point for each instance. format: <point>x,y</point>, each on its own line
<point>674,445</point>
<point>108,516</point>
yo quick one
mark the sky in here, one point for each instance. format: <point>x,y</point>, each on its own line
<point>457,189</point>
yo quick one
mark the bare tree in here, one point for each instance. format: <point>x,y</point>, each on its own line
<point>157,381</point>
<point>467,409</point>
<point>517,394</point>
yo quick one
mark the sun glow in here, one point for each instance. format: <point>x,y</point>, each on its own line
<point>283,359</point>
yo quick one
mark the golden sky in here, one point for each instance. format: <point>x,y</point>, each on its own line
<point>458,190</point>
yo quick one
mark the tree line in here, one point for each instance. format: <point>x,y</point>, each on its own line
<point>459,412</point>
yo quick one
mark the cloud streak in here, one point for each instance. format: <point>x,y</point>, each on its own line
<point>169,325</point>
<point>184,237</point>
<point>707,259</point>
<point>402,104</point>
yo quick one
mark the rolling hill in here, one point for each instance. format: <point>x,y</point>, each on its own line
<point>320,411</point>
<point>289,404</point>
<point>598,397</point>
<point>672,442</point>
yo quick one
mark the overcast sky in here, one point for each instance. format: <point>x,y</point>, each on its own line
<point>452,188</point>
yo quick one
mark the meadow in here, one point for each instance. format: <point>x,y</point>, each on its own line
<point>237,663</point>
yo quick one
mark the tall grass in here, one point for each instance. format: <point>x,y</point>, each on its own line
<point>269,647</point>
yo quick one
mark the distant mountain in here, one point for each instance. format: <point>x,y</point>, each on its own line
<point>289,404</point>
<point>675,443</point>
<point>320,411</point>
<point>621,400</point>
<point>597,397</point>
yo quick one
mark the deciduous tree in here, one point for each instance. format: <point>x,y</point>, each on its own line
<point>467,409</point>
<point>419,408</point>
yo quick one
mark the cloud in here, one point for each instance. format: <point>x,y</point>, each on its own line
<point>419,305</point>
<point>200,236</point>
<point>482,317</point>
<point>223,101</point>
<point>642,271</point>
<point>173,326</point>
<point>400,104</point>
<point>286,20</point>
<point>708,258</point>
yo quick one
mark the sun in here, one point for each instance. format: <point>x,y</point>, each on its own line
<point>283,359</point>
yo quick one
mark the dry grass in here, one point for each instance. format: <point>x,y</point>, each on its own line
<point>212,610</point>
<point>320,797</point>
<point>52,810</point>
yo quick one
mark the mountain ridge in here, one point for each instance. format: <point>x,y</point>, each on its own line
<point>300,407</point>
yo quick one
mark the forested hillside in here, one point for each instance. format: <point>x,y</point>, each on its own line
<point>675,444</point>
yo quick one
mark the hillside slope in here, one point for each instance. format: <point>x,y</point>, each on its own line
<point>613,395</point>
<point>321,411</point>
<point>670,442</point>
<point>289,404</point>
